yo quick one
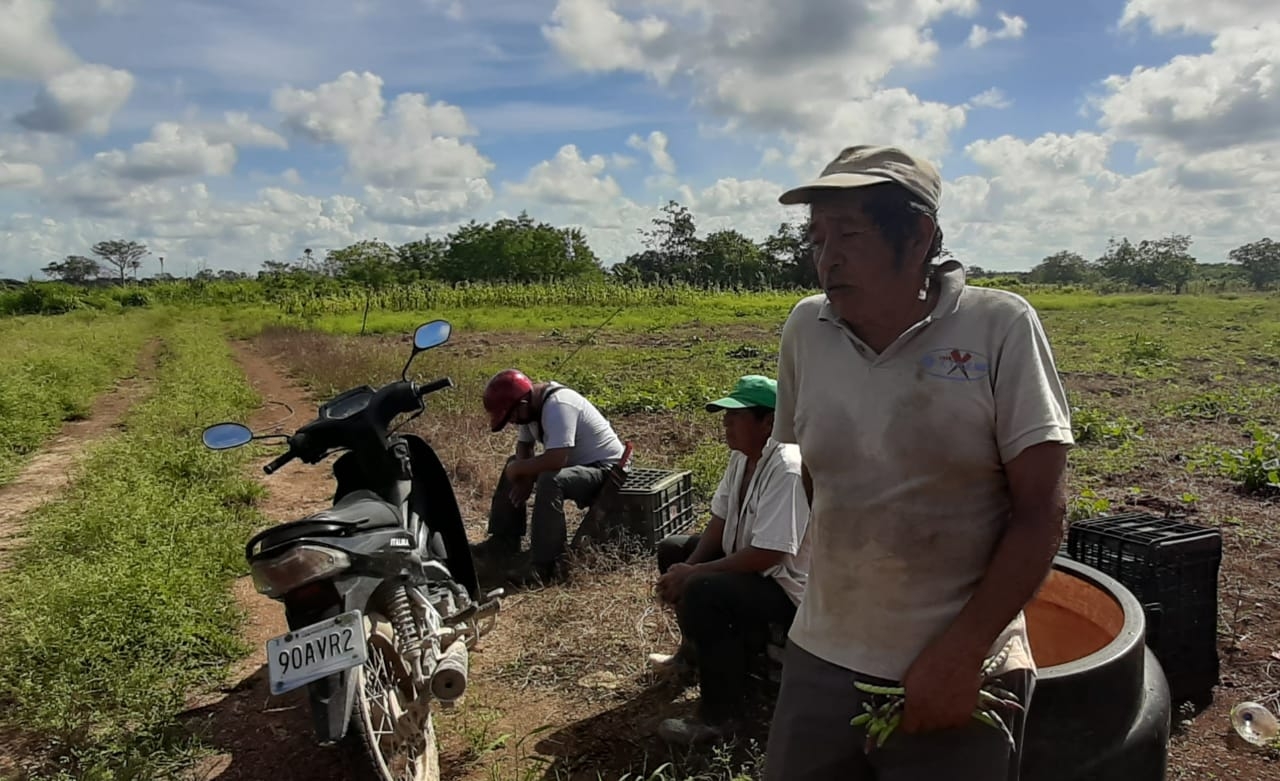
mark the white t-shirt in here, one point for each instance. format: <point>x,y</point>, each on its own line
<point>906,450</point>
<point>573,422</point>
<point>773,516</point>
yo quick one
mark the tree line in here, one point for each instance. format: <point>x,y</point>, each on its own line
<point>522,250</point>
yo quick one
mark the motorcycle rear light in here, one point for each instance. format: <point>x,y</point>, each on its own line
<point>297,567</point>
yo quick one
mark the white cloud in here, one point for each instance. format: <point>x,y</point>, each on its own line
<point>656,147</point>
<point>238,129</point>
<point>1228,96</point>
<point>79,100</point>
<point>991,98</point>
<point>17,176</point>
<point>1197,16</point>
<point>756,62</point>
<point>340,112</point>
<point>1011,28</point>
<point>567,178</point>
<point>172,151</point>
<point>416,145</point>
<point>29,46</point>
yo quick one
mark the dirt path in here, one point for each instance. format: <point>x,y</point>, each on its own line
<point>257,735</point>
<point>50,471</point>
<point>45,476</point>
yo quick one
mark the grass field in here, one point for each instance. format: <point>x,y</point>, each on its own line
<point>1176,405</point>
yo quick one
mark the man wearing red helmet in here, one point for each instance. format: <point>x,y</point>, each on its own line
<point>579,447</point>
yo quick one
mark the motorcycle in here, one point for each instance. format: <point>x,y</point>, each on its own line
<point>379,590</point>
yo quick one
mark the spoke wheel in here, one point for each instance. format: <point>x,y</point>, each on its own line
<point>398,728</point>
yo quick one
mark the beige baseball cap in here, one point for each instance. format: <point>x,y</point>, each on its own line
<point>864,165</point>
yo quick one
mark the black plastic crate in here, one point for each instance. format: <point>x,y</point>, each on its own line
<point>654,503</point>
<point>1172,568</point>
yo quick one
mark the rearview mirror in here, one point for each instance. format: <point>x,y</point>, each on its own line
<point>224,436</point>
<point>432,334</point>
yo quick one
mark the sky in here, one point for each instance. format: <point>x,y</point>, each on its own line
<point>225,133</point>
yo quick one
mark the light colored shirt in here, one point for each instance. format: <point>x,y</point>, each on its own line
<point>773,514</point>
<point>906,450</point>
<point>574,422</point>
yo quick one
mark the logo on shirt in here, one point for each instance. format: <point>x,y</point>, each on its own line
<point>950,363</point>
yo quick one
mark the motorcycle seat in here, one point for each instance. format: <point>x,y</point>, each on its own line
<point>357,511</point>
<point>361,509</point>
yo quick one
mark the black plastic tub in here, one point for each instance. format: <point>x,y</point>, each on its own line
<point>1101,709</point>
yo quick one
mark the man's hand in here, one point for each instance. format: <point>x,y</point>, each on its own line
<point>521,488</point>
<point>671,585</point>
<point>942,687</point>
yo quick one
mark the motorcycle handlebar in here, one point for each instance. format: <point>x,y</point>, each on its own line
<point>432,387</point>
<point>280,461</point>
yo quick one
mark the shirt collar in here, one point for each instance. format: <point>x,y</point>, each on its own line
<point>950,277</point>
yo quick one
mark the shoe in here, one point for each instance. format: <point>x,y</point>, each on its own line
<point>496,548</point>
<point>528,573</point>
<point>673,665</point>
<point>688,732</point>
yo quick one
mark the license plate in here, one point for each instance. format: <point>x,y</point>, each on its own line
<point>297,658</point>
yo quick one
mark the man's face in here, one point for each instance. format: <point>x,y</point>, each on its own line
<point>853,257</point>
<point>743,431</point>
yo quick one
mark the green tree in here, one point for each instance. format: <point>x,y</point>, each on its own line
<point>421,259</point>
<point>124,255</point>
<point>1062,268</point>
<point>516,250</point>
<point>730,259</point>
<point>1260,262</point>
<point>1168,261</point>
<point>75,268</point>
<point>370,263</point>
<point>789,257</point>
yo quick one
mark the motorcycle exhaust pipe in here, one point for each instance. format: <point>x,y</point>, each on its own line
<point>449,680</point>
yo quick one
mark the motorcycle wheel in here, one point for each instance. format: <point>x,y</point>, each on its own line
<point>397,727</point>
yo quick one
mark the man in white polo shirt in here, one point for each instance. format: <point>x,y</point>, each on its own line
<point>934,431</point>
<point>743,574</point>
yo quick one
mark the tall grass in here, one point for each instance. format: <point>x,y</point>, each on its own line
<point>51,368</point>
<point>120,601</point>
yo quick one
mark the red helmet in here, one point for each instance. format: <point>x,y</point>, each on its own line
<point>505,390</point>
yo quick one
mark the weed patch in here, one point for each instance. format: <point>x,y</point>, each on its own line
<point>120,602</point>
<point>52,368</point>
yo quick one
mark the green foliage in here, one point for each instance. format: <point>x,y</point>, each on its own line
<point>51,369</point>
<point>120,601</point>
<point>1260,262</point>
<point>1095,426</point>
<point>1254,467</point>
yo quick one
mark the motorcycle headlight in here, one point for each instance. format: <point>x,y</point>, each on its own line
<point>298,567</point>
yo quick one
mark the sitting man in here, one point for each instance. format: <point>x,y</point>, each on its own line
<point>744,573</point>
<point>579,449</point>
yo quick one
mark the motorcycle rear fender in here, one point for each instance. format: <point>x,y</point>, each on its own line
<point>333,698</point>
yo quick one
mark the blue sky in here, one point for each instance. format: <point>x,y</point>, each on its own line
<point>230,132</point>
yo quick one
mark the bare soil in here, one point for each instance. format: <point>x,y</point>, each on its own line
<point>51,470</point>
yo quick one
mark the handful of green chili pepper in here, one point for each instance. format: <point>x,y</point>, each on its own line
<point>883,718</point>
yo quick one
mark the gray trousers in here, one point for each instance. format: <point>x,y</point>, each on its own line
<point>810,738</point>
<point>547,539</point>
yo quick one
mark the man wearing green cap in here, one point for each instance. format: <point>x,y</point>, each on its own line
<point>745,573</point>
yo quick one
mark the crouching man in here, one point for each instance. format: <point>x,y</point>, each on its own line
<point>747,571</point>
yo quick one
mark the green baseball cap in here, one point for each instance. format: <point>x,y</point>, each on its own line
<point>752,390</point>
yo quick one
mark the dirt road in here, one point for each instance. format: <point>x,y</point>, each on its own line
<point>49,471</point>
<point>258,736</point>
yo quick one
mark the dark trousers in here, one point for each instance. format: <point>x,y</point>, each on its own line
<point>810,738</point>
<point>547,540</point>
<point>725,618</point>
